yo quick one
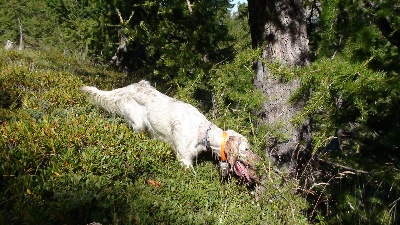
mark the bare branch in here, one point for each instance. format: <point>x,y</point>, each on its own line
<point>21,36</point>
<point>342,166</point>
<point>189,6</point>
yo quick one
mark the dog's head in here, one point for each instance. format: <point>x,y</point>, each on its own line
<point>242,160</point>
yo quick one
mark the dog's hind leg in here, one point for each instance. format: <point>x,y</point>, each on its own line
<point>134,114</point>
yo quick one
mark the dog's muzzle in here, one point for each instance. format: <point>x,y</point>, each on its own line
<point>239,169</point>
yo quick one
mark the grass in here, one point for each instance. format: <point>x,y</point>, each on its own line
<point>64,161</point>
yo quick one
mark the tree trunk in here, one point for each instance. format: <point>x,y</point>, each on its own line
<point>278,27</point>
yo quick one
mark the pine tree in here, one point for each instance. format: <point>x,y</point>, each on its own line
<point>278,27</point>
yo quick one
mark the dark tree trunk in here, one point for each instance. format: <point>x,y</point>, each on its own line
<point>278,27</point>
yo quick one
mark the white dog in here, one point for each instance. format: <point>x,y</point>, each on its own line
<point>173,121</point>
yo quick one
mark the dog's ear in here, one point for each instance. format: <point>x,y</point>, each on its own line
<point>232,149</point>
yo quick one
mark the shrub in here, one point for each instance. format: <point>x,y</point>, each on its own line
<point>354,119</point>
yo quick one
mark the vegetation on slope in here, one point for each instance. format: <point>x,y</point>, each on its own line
<point>64,161</point>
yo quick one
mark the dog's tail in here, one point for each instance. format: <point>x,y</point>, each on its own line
<point>107,100</point>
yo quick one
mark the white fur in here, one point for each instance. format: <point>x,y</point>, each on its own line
<point>173,121</point>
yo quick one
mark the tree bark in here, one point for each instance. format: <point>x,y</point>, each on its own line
<point>278,27</point>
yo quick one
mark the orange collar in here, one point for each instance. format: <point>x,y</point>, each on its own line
<point>224,139</point>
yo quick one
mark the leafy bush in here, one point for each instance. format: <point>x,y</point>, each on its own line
<point>63,160</point>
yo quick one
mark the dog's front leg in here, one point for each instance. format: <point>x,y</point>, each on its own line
<point>184,157</point>
<point>187,163</point>
<point>188,167</point>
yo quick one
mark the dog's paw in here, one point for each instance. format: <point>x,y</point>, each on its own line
<point>187,164</point>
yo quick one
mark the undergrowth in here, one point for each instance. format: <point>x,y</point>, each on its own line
<point>64,161</point>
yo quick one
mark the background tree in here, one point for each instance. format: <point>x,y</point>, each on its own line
<point>36,30</point>
<point>158,36</point>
